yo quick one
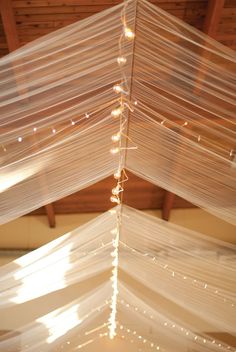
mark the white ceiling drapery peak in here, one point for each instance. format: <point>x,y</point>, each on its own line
<point>57,97</point>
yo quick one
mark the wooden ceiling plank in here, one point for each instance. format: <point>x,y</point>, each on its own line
<point>9,24</point>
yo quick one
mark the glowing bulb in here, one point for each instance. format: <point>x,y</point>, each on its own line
<point>116,112</point>
<point>72,122</point>
<point>115,199</point>
<point>114,231</point>
<point>121,60</point>
<point>136,103</point>
<point>114,150</point>
<point>53,130</point>
<point>128,33</point>
<point>115,191</point>
<point>35,129</point>
<point>115,137</point>
<point>87,115</point>
<point>19,139</point>
<point>117,175</point>
<point>185,124</point>
<point>117,88</point>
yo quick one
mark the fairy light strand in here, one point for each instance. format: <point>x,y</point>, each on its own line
<point>201,340</point>
<point>174,273</point>
<point>119,148</point>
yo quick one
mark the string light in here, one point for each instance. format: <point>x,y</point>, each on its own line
<point>191,336</point>
<point>19,139</point>
<point>121,177</point>
<point>72,122</point>
<point>121,60</point>
<point>87,115</point>
<point>54,130</point>
<point>116,137</point>
<point>192,281</point>
<point>117,175</point>
<point>115,199</point>
<point>128,33</point>
<point>115,254</point>
<point>115,191</point>
<point>117,112</point>
<point>114,150</point>
<point>35,129</point>
<point>117,88</point>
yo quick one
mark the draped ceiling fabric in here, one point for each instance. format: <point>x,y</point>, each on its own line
<point>176,287</point>
<point>57,96</point>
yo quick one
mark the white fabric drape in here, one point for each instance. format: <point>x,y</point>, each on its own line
<point>175,286</point>
<point>57,96</point>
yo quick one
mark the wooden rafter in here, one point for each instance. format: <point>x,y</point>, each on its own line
<point>51,215</point>
<point>212,19</point>
<point>167,205</point>
<point>9,24</point>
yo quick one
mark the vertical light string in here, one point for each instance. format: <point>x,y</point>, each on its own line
<point>120,146</point>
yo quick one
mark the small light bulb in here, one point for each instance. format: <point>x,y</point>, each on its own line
<point>72,122</point>
<point>19,139</point>
<point>115,191</point>
<point>35,129</point>
<point>117,88</point>
<point>136,103</point>
<point>185,124</point>
<point>116,112</point>
<point>117,175</point>
<point>115,137</point>
<point>87,115</point>
<point>128,33</point>
<point>53,130</point>
<point>114,150</point>
<point>115,199</point>
<point>121,60</point>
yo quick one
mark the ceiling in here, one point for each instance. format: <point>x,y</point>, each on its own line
<point>23,21</point>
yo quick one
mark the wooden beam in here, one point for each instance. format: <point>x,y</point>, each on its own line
<point>9,25</point>
<point>51,215</point>
<point>167,205</point>
<point>212,19</point>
